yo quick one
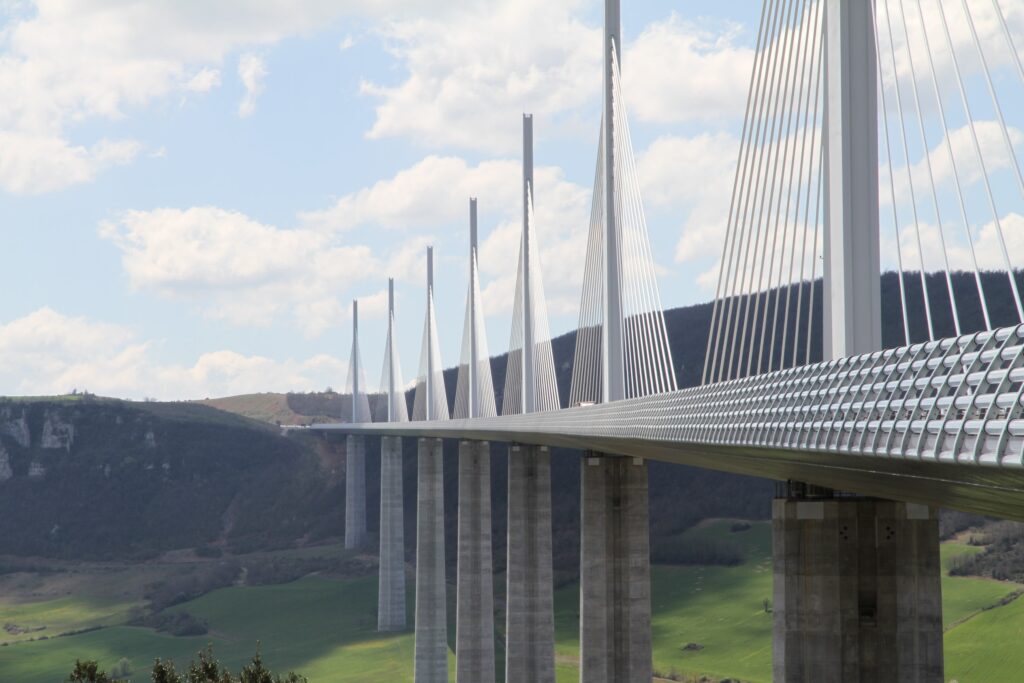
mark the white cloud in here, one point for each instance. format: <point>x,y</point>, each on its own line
<point>38,163</point>
<point>65,63</point>
<point>987,246</point>
<point>252,70</point>
<point>433,191</point>
<point>691,177</point>
<point>204,80</point>
<point>994,151</point>
<point>474,68</point>
<point>46,352</point>
<point>237,269</point>
<point>678,71</point>
<point>477,67</point>
<point>433,194</point>
<point>990,35</point>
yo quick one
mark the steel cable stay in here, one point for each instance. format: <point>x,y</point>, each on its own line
<point>791,98</point>
<point>755,247</point>
<point>926,156</point>
<point>910,176</point>
<point>813,189</point>
<point>795,186</point>
<point>754,90</point>
<point>972,127</point>
<point>953,165</point>
<point>711,352</point>
<point>884,121</point>
<point>741,227</point>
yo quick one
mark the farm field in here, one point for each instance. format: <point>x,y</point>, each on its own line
<point>706,620</point>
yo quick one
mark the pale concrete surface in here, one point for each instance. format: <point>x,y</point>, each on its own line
<point>529,619</point>
<point>355,492</point>
<point>391,583</point>
<point>857,592</point>
<point>615,571</point>
<point>431,658</point>
<point>474,620</point>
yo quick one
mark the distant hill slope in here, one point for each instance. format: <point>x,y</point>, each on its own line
<point>83,477</point>
<point>293,409</point>
<point>100,478</point>
<point>687,328</point>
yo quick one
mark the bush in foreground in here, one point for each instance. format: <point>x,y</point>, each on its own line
<point>206,670</point>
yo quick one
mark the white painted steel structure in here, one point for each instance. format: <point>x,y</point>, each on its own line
<point>937,422</point>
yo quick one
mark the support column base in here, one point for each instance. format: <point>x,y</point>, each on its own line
<point>530,613</point>
<point>431,658</point>
<point>615,571</point>
<point>391,581</point>
<point>474,622</point>
<point>355,492</point>
<point>857,590</point>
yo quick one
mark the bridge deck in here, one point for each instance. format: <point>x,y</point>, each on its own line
<point>940,423</point>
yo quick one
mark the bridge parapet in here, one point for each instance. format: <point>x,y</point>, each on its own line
<point>940,423</point>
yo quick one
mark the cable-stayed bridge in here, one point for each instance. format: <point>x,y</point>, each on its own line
<point>863,146</point>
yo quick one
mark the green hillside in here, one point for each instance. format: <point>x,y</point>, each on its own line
<point>323,627</point>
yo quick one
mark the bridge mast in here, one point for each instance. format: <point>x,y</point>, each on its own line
<point>612,353</point>
<point>615,608</point>
<point>355,360</point>
<point>852,299</point>
<point>355,449</point>
<point>856,580</point>
<point>431,643</point>
<point>474,403</point>
<point>391,568</point>
<point>529,385</point>
<point>430,334</point>
<point>529,614</point>
<point>390,360</point>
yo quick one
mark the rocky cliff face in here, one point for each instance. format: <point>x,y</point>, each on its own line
<point>14,423</point>
<point>58,431</point>
<point>5,465</point>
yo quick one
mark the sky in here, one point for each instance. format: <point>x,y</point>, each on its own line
<point>193,193</point>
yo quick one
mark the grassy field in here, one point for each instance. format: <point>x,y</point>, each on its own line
<point>267,407</point>
<point>324,628</point>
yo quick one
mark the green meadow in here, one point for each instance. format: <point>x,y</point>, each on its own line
<point>324,628</point>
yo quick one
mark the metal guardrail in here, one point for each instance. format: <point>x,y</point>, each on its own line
<point>953,402</point>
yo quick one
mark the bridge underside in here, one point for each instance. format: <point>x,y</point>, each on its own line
<point>940,423</point>
<point>992,491</point>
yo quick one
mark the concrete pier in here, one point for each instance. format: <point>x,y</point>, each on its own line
<point>530,620</point>
<point>474,624</point>
<point>431,658</point>
<point>391,583</point>
<point>857,591</point>
<point>615,571</point>
<point>355,492</point>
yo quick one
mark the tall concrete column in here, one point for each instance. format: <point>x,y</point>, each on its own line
<point>391,582</point>
<point>615,571</point>
<point>474,624</point>
<point>852,302</point>
<point>857,582</point>
<point>431,659</point>
<point>530,621</point>
<point>355,492</point>
<point>857,591</point>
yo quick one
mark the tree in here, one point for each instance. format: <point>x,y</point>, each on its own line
<point>163,672</point>
<point>88,672</point>
<point>206,670</point>
<point>123,669</point>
